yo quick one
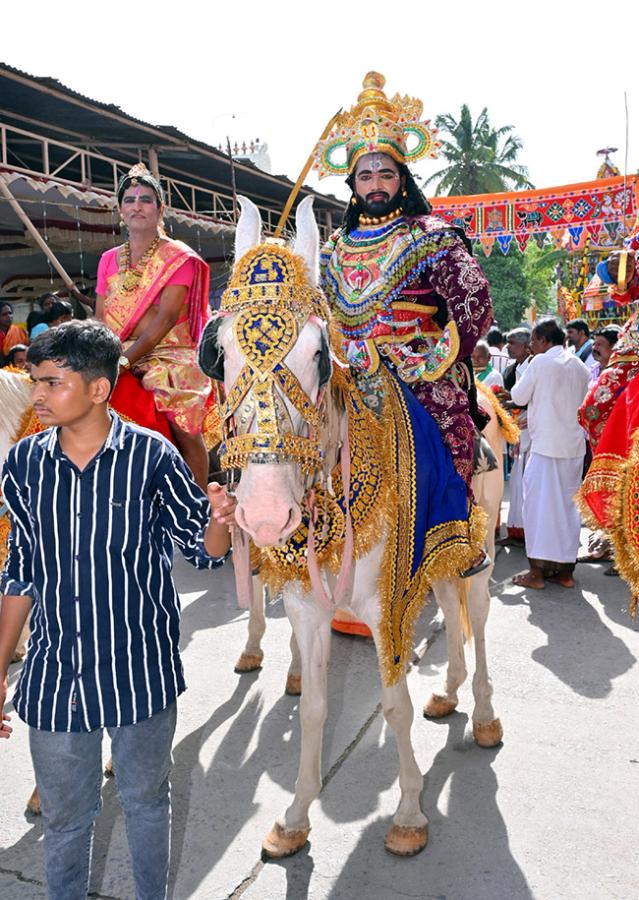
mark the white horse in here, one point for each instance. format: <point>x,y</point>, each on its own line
<point>15,398</point>
<point>488,488</point>
<point>270,494</point>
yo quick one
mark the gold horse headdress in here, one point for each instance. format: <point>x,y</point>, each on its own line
<point>376,125</point>
<point>273,298</point>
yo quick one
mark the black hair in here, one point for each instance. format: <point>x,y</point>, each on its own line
<point>610,333</point>
<point>4,303</point>
<point>494,337</point>
<point>88,348</point>
<point>133,180</point>
<point>551,331</point>
<point>43,297</point>
<point>11,355</point>
<point>57,309</point>
<point>413,204</point>
<point>579,325</point>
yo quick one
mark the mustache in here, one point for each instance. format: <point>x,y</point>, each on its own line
<point>383,194</point>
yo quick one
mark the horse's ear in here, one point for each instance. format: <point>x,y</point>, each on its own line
<point>249,227</point>
<point>325,363</point>
<point>307,241</point>
<point>210,355</point>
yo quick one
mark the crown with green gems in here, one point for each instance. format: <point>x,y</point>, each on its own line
<point>376,125</point>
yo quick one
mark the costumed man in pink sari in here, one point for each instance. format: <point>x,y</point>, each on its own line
<point>153,293</point>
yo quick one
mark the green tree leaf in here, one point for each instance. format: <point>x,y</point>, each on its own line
<point>482,159</point>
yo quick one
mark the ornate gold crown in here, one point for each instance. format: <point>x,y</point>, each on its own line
<point>139,170</point>
<point>376,125</point>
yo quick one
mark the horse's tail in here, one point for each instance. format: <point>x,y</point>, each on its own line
<point>464,615</point>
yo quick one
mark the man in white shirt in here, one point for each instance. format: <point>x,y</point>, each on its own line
<point>484,370</point>
<point>518,344</point>
<point>498,356</point>
<point>580,342</point>
<point>553,387</point>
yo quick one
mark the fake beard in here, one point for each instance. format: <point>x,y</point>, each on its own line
<point>379,207</point>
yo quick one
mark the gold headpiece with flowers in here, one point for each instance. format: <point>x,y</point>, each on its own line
<point>376,125</point>
<point>139,174</point>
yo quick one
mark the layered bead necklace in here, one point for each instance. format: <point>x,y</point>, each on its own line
<point>130,276</point>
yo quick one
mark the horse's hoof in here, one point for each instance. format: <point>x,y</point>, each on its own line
<point>281,842</point>
<point>488,735</point>
<point>293,685</point>
<point>33,804</point>
<point>437,707</point>
<point>108,769</point>
<point>406,840</point>
<point>249,662</point>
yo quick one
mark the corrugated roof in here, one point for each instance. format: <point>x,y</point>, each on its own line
<point>53,104</point>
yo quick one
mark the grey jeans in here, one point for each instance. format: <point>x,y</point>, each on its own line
<point>68,770</point>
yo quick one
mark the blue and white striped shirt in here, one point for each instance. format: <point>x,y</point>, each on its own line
<point>94,549</point>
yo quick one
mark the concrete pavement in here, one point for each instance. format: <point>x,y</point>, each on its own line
<point>549,815</point>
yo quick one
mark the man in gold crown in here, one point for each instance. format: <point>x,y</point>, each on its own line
<point>402,283</point>
<point>153,293</point>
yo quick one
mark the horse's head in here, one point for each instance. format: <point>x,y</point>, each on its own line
<point>269,346</point>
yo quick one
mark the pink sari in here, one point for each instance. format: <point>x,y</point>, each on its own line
<point>170,371</point>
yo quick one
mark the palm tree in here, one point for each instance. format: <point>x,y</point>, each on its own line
<point>480,163</point>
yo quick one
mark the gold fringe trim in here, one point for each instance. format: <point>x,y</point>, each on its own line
<point>29,424</point>
<point>619,477</point>
<point>449,549</point>
<point>625,532</point>
<point>446,566</point>
<point>605,474</point>
<point>5,529</point>
<point>367,440</point>
<point>507,425</point>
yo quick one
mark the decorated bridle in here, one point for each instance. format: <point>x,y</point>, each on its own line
<point>271,299</point>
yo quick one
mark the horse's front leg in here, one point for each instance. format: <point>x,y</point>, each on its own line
<point>487,729</point>
<point>251,657</point>
<point>311,627</point>
<point>444,702</point>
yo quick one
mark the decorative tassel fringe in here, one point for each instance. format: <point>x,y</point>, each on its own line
<point>620,479</point>
<point>508,427</point>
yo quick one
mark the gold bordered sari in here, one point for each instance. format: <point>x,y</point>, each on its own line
<point>170,370</point>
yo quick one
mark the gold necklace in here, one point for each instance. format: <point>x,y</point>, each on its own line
<point>132,275</point>
<point>380,220</point>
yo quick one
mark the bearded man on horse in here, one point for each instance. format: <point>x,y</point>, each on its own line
<point>402,283</point>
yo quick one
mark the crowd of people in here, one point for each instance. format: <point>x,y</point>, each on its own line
<point>104,597</point>
<point>14,339</point>
<point>555,379</point>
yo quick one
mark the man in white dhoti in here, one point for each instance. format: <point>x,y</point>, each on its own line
<point>518,344</point>
<point>553,387</point>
